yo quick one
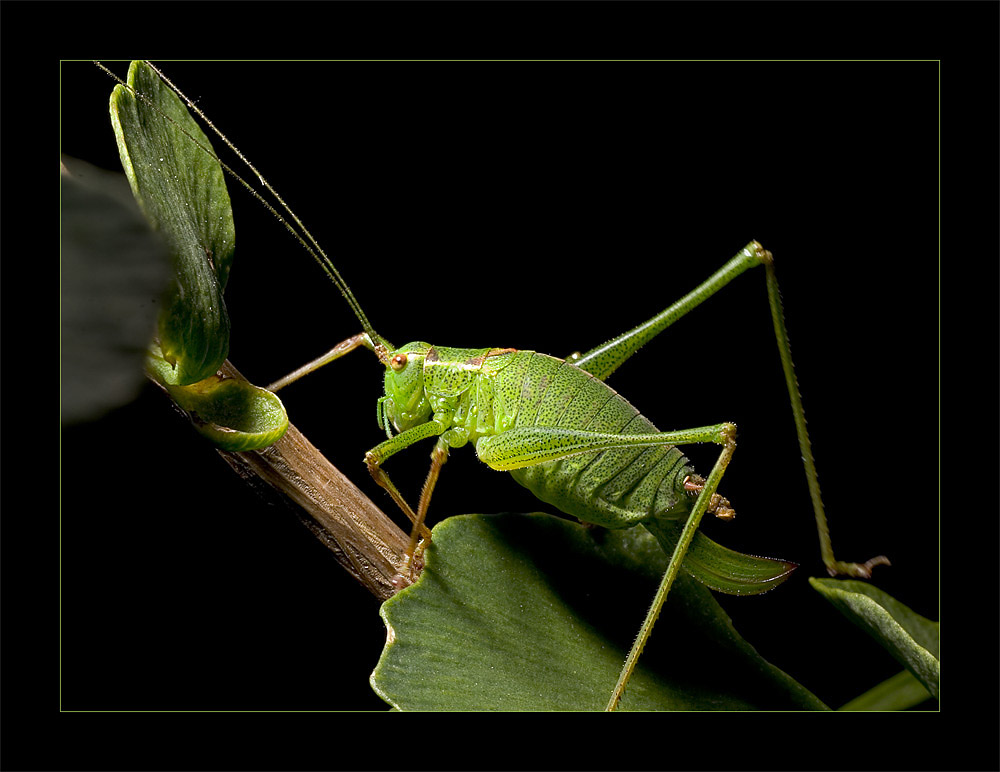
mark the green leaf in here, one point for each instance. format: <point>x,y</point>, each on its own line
<point>912,639</point>
<point>182,191</point>
<point>533,612</point>
<point>232,413</point>
<point>900,692</point>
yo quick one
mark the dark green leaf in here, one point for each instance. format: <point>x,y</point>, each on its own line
<point>182,191</point>
<point>912,639</point>
<point>900,692</point>
<point>532,612</point>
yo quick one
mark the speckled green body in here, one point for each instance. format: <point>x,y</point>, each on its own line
<point>478,395</point>
<point>568,437</point>
<point>616,488</point>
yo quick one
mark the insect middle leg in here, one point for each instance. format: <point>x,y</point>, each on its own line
<point>374,459</point>
<point>420,536</point>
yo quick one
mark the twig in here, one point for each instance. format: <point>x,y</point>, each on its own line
<point>363,539</point>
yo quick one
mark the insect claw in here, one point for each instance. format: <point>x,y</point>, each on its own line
<point>411,568</point>
<point>400,582</point>
<point>858,570</point>
<point>417,564</point>
<point>721,508</point>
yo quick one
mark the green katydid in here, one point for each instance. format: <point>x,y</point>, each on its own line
<point>570,439</point>
<point>574,442</point>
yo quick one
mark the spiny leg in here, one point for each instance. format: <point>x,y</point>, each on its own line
<point>605,359</point>
<point>378,474</point>
<point>374,459</point>
<point>529,445</point>
<point>833,566</point>
<point>420,536</point>
<point>706,497</point>
<point>419,531</point>
<point>344,347</point>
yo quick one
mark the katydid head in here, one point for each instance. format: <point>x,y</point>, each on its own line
<point>405,404</point>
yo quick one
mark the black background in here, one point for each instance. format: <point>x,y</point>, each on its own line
<point>545,207</point>
<point>537,206</point>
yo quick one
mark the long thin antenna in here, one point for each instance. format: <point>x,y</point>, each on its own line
<point>305,238</point>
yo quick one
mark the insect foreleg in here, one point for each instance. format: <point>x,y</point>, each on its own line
<point>420,533</point>
<point>375,457</point>
<point>344,347</point>
<point>727,437</point>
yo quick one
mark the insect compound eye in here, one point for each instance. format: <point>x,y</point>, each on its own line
<point>398,362</point>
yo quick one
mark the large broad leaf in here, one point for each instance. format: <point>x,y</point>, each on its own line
<point>533,612</point>
<point>182,191</point>
<point>910,638</point>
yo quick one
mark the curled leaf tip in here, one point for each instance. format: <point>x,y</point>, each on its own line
<point>234,414</point>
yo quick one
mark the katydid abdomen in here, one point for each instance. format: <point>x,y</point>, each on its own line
<point>615,488</point>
